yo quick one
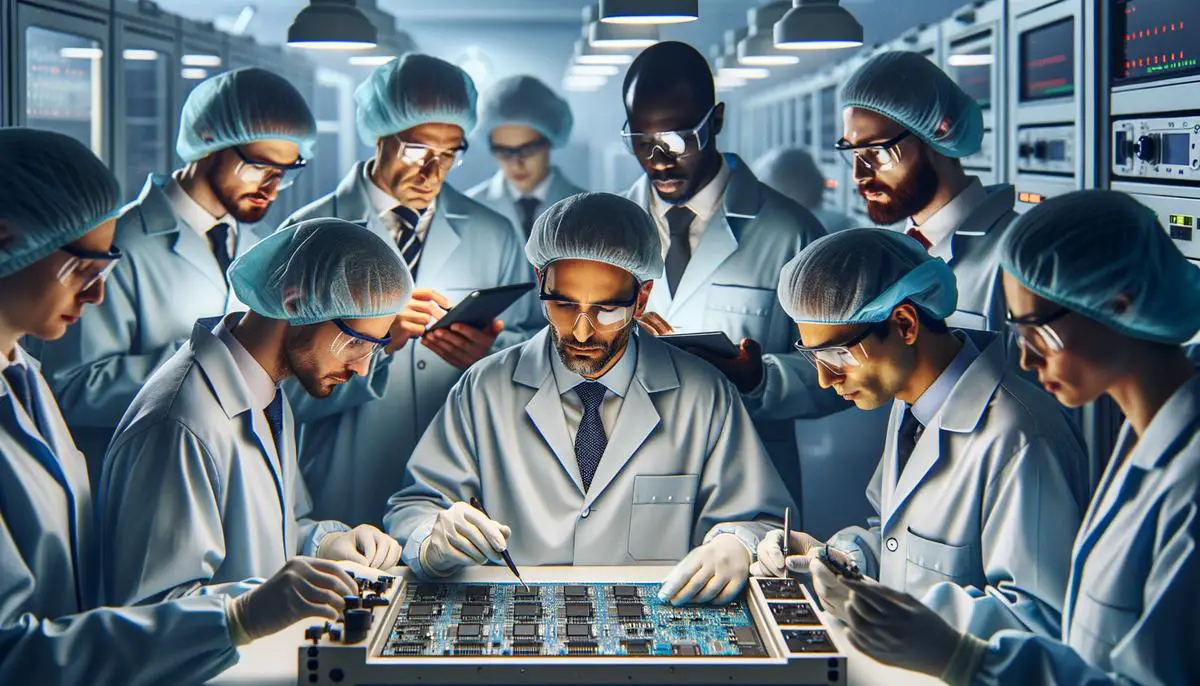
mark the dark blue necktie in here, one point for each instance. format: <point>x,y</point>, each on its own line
<point>408,241</point>
<point>274,414</point>
<point>906,438</point>
<point>529,212</point>
<point>590,440</point>
<point>679,251</point>
<point>20,380</point>
<point>218,240</point>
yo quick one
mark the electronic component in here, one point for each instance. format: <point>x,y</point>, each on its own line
<point>637,647</point>
<point>575,592</point>
<point>848,570</point>
<point>469,631</point>
<point>793,613</point>
<point>525,631</point>
<point>527,610</point>
<point>625,593</point>
<point>630,611</point>
<point>578,611</point>
<point>808,641</point>
<point>781,589</point>
<point>420,610</point>
<point>477,594</point>
<point>685,649</point>
<point>579,631</point>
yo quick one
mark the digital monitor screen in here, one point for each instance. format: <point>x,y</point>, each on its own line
<point>1176,149</point>
<point>1154,39</point>
<point>971,69</point>
<point>831,122</point>
<point>1048,61</point>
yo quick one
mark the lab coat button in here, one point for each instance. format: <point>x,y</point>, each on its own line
<point>420,364</point>
<point>892,544</point>
<point>586,511</point>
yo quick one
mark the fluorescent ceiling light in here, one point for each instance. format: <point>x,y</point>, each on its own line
<point>584,83</point>
<point>200,61</point>
<point>332,25</point>
<point>758,49</point>
<point>649,11</point>
<point>967,60</point>
<point>594,70</point>
<point>818,25</point>
<point>744,72</point>
<point>588,54</point>
<point>193,73</point>
<point>370,60</point>
<point>726,83</point>
<point>81,53</point>
<point>135,55</point>
<point>622,36</point>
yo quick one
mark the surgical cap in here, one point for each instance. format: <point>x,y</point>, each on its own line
<point>411,90</point>
<point>791,171</point>
<point>1084,249</point>
<point>858,276</point>
<point>599,227</point>
<point>528,102</point>
<point>910,90</point>
<point>240,107</point>
<point>320,270</point>
<point>53,191</point>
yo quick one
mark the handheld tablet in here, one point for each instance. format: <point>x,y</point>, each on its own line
<point>482,306</point>
<point>714,342</point>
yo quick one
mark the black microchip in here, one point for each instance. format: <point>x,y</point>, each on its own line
<point>469,631</point>
<point>577,610</point>
<point>420,610</point>
<point>472,610</point>
<point>808,641</point>
<point>579,631</point>
<point>427,591</point>
<point>744,636</point>
<point>625,592</point>
<point>477,594</point>
<point>575,591</point>
<point>525,631</point>
<point>793,613</point>
<point>630,611</point>
<point>685,649</point>
<point>527,610</point>
<point>637,647</point>
<point>781,589</point>
<point>523,593</point>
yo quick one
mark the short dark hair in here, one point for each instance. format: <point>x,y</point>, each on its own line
<point>666,68</point>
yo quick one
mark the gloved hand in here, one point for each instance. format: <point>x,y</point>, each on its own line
<point>830,588</point>
<point>463,536</point>
<point>304,587</point>
<point>770,555</point>
<point>712,573</point>
<point>897,629</point>
<point>363,544</point>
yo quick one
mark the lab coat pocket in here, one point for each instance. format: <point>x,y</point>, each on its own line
<point>965,319</point>
<point>660,521</point>
<point>740,311</point>
<point>1106,620</point>
<point>930,562</point>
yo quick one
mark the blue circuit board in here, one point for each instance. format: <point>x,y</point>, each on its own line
<point>564,620</point>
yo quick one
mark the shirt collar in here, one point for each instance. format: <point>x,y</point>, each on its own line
<point>541,192</point>
<point>383,202</point>
<point>192,213</point>
<point>17,360</point>
<point>950,218</point>
<point>262,387</point>
<point>704,203</point>
<point>934,397</point>
<point>616,379</point>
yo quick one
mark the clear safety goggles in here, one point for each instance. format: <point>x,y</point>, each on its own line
<point>83,269</point>
<point>267,174</point>
<point>838,358</point>
<point>352,346</point>
<point>607,317</point>
<point>422,156</point>
<point>672,144</point>
<point>878,156</point>
<point>519,153</point>
<point>1035,334</point>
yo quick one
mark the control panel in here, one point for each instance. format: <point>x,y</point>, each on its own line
<point>1046,149</point>
<point>1166,148</point>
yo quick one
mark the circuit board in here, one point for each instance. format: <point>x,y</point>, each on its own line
<point>550,619</point>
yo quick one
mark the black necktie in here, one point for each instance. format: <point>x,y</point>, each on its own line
<point>679,252</point>
<point>408,241</point>
<point>590,440</point>
<point>906,438</point>
<point>529,212</point>
<point>218,240</point>
<point>274,413</point>
<point>20,381</point>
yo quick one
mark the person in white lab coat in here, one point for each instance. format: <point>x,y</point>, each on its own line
<point>415,112</point>
<point>57,220</point>
<point>724,237</point>
<point>591,444</point>
<point>906,125</point>
<point>201,491</point>
<point>793,172</point>
<point>243,136</point>
<point>983,481</point>
<point>1098,297</point>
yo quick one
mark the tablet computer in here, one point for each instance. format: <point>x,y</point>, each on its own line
<point>482,306</point>
<point>714,342</point>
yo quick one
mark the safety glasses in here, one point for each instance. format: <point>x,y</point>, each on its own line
<point>519,153</point>
<point>878,156</point>
<point>672,144</point>
<point>422,156</point>
<point>266,174</point>
<point>1035,334</point>
<point>83,269</point>
<point>838,358</point>
<point>352,346</point>
<point>604,317</point>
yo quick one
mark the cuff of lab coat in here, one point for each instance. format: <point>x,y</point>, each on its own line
<point>410,555</point>
<point>747,537</point>
<point>854,542</point>
<point>965,661</point>
<point>320,531</point>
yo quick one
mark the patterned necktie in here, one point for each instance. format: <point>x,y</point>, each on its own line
<point>529,213</point>
<point>906,438</point>
<point>20,381</point>
<point>590,440</point>
<point>274,413</point>
<point>916,233</point>
<point>218,240</point>
<point>679,252</point>
<point>407,240</point>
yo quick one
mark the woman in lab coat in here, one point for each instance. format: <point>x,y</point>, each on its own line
<point>1101,301</point>
<point>57,220</point>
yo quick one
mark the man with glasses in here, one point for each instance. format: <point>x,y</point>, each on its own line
<point>201,490</point>
<point>983,482</point>
<point>416,112</point>
<point>907,126</point>
<point>725,236</point>
<point>590,444</point>
<point>243,136</point>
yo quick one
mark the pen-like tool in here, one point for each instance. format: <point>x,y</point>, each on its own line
<point>785,544</point>
<point>507,558</point>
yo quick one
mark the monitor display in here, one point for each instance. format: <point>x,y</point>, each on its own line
<point>1154,39</point>
<point>1048,62</point>
<point>971,69</point>
<point>1176,149</point>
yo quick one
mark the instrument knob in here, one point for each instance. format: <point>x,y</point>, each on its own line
<point>1146,148</point>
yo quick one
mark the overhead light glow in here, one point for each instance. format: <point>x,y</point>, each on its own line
<point>81,53</point>
<point>193,73</point>
<point>594,70</point>
<point>200,61</point>
<point>331,45</point>
<point>622,36</point>
<point>649,11</point>
<point>758,49</point>
<point>967,60</point>
<point>818,25</point>
<point>135,55</point>
<point>584,83</point>
<point>332,25</point>
<point>370,60</point>
<point>588,54</point>
<point>728,83</point>
<point>744,72</point>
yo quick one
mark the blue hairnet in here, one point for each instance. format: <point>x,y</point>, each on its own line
<point>858,276</point>
<point>1083,249</point>
<point>53,190</point>
<point>792,172</point>
<point>411,90</point>
<point>910,90</point>
<point>599,227</point>
<point>240,107</point>
<point>319,270</point>
<point>526,101</point>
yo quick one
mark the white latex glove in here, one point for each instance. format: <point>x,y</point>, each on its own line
<point>463,536</point>
<point>770,555</point>
<point>363,544</point>
<point>897,629</point>
<point>304,587</point>
<point>713,573</point>
<point>831,589</point>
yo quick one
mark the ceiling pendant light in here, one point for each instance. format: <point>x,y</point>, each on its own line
<point>758,49</point>
<point>586,53</point>
<point>726,67</point>
<point>649,11</point>
<point>818,25</point>
<point>332,25</point>
<point>616,36</point>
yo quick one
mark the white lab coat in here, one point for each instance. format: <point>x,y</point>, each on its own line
<point>194,498</point>
<point>167,280</point>
<point>975,260</point>
<point>991,498</point>
<point>683,463</point>
<point>49,631</point>
<point>354,444</point>
<point>1131,606</point>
